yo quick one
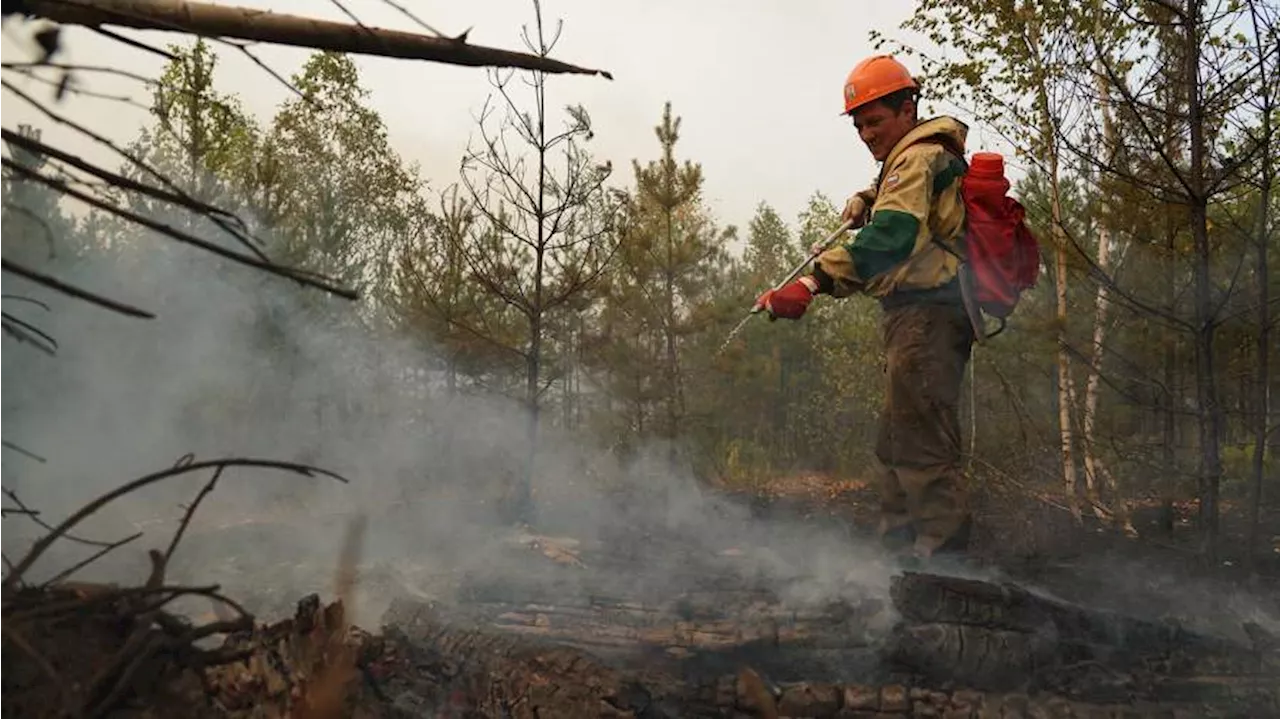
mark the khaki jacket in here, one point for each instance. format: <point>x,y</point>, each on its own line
<point>916,198</point>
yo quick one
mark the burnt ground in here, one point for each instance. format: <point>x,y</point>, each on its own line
<point>1049,619</point>
<point>1032,536</point>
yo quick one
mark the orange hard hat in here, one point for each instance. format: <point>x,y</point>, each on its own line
<point>872,79</point>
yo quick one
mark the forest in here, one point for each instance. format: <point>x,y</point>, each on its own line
<point>1137,374</point>
<point>564,342</point>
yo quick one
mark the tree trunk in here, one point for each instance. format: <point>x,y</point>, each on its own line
<point>1065,389</point>
<point>1095,470</point>
<point>1273,437</point>
<point>1208,411</point>
<point>1171,395</point>
<point>208,20</point>
<point>533,360</point>
<point>1096,473</point>
<point>673,377</point>
<point>1262,378</point>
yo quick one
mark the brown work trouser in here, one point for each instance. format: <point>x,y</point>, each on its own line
<point>922,490</point>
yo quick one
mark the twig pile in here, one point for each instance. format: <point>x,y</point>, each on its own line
<point>91,648</point>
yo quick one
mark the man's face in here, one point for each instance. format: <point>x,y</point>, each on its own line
<point>880,128</point>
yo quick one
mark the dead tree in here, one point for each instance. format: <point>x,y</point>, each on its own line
<point>205,20</point>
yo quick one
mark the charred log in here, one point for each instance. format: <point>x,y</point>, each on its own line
<point>490,673</point>
<point>436,666</point>
<point>1003,637</point>
<point>429,662</point>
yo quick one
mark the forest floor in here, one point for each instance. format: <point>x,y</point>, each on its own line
<point>534,643</point>
<point>1033,534</point>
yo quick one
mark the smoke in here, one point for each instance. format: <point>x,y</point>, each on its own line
<point>238,364</point>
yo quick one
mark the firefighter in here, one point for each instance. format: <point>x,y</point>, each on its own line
<point>898,257</point>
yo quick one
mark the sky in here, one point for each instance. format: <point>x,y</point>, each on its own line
<point>758,86</point>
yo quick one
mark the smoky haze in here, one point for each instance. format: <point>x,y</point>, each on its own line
<point>238,364</point>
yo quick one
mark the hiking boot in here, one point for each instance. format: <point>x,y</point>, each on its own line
<point>898,539</point>
<point>958,543</point>
<point>954,551</point>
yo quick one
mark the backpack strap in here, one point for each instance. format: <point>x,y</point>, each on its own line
<point>963,276</point>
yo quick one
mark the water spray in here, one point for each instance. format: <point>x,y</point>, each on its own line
<point>814,251</point>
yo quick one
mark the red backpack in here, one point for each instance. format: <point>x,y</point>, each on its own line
<point>1002,255</point>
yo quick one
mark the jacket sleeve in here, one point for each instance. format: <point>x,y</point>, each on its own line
<point>901,208</point>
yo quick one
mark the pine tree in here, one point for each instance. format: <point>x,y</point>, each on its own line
<point>670,258</point>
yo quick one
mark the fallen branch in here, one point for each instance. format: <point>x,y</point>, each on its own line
<point>73,291</point>
<point>28,300</point>
<point>21,643</point>
<point>17,612</point>
<point>238,228</point>
<point>41,545</point>
<point>186,461</point>
<point>61,576</point>
<point>24,452</point>
<point>217,21</point>
<point>173,233</point>
<point>156,644</point>
<point>77,68</point>
<point>27,333</point>
<point>156,641</point>
<point>35,517</point>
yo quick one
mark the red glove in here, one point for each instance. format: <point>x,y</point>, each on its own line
<point>789,301</point>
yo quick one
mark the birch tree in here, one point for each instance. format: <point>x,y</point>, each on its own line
<point>1010,74</point>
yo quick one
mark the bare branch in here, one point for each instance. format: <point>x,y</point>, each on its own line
<point>89,509</point>
<point>240,231</point>
<point>247,24</point>
<point>184,237</point>
<point>72,291</point>
<point>217,217</point>
<point>78,68</point>
<point>63,85</point>
<point>25,452</point>
<point>190,511</point>
<point>137,44</point>
<point>1155,144</point>
<point>421,23</point>
<point>24,331</point>
<point>35,517</point>
<point>60,576</point>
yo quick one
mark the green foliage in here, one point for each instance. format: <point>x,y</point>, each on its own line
<point>436,302</point>
<point>201,136</point>
<point>342,196</point>
<point>663,278</point>
<point>543,234</point>
<point>787,396</point>
<point>770,250</point>
<point>527,278</point>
